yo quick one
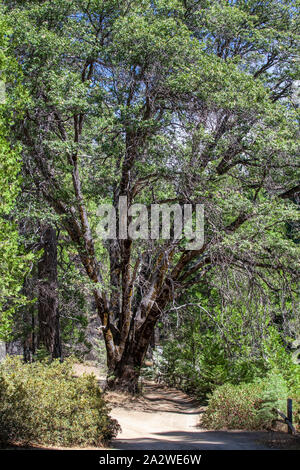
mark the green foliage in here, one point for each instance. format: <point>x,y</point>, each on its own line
<point>213,346</point>
<point>14,262</point>
<point>179,100</point>
<point>44,403</point>
<point>283,362</point>
<point>212,368</point>
<point>233,407</point>
<point>208,350</point>
<point>246,406</point>
<point>74,305</point>
<point>294,394</point>
<point>273,397</point>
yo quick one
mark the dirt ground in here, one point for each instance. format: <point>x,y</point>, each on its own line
<point>167,419</point>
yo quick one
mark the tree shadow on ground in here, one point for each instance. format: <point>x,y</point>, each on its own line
<point>199,440</point>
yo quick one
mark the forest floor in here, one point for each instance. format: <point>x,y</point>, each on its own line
<point>162,418</point>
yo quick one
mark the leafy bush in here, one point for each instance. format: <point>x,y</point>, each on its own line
<point>43,403</point>
<point>280,359</point>
<point>201,367</point>
<point>273,396</point>
<point>294,394</point>
<point>246,406</point>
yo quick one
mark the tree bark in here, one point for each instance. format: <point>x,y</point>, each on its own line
<point>48,314</point>
<point>124,374</point>
<point>28,320</point>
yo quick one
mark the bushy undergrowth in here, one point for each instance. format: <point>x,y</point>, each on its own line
<point>211,368</point>
<point>43,403</point>
<point>294,394</point>
<point>199,361</point>
<point>246,406</point>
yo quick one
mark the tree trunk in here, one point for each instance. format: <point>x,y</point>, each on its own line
<point>124,374</point>
<point>126,356</point>
<point>48,315</point>
<point>28,321</point>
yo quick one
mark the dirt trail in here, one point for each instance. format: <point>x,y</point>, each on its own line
<point>166,419</point>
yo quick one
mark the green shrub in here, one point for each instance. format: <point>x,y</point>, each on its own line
<point>209,369</point>
<point>294,394</point>
<point>280,359</point>
<point>233,407</point>
<point>274,396</point>
<point>246,406</point>
<point>43,403</point>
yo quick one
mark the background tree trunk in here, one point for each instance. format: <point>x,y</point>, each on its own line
<point>29,320</point>
<point>48,315</point>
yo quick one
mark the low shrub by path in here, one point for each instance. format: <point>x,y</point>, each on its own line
<point>246,406</point>
<point>43,403</point>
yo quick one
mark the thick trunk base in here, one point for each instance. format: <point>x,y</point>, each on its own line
<point>124,378</point>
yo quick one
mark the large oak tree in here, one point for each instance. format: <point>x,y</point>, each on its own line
<point>161,101</point>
